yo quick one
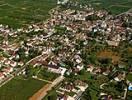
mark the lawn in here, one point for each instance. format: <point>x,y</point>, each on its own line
<point>52,95</point>
<point>20,89</point>
<point>86,76</point>
<point>17,13</point>
<point>129,77</point>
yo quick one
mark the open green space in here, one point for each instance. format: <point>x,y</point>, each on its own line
<point>52,95</point>
<point>129,77</point>
<point>17,13</point>
<point>85,76</point>
<point>46,75</point>
<point>20,88</point>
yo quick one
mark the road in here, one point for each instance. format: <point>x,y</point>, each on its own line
<point>125,94</point>
<point>101,86</point>
<point>43,91</point>
<point>6,80</point>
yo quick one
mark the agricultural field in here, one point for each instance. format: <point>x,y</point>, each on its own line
<point>17,13</point>
<point>114,6</point>
<point>20,88</point>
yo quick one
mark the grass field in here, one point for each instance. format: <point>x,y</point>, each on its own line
<point>17,13</point>
<point>46,75</point>
<point>115,6</point>
<point>20,89</point>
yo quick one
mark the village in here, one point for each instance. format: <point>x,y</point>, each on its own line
<point>59,45</point>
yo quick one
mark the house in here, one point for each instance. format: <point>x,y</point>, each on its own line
<point>2,59</point>
<point>62,2</point>
<point>90,68</point>
<point>13,63</point>
<point>20,63</point>
<point>52,63</point>
<point>80,67</point>
<point>63,70</point>
<point>120,77</point>
<point>75,70</point>
<point>7,62</point>
<point>56,69</point>
<point>78,59</point>
<point>62,97</point>
<point>97,70</point>
<point>113,43</point>
<point>81,85</point>
<point>10,62</point>
<point>130,69</point>
<point>106,72</point>
<point>69,87</point>
<point>1,76</point>
<point>106,97</point>
<point>7,70</point>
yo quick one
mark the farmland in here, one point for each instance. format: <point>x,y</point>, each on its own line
<point>20,89</point>
<point>114,6</point>
<point>17,13</point>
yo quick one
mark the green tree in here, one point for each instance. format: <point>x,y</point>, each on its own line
<point>86,95</point>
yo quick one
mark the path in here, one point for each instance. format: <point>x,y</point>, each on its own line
<point>125,94</point>
<point>127,12</point>
<point>43,80</point>
<point>43,91</point>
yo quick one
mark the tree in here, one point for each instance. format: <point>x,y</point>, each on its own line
<point>93,58</point>
<point>21,53</point>
<point>30,71</point>
<point>82,72</point>
<point>102,79</point>
<point>105,61</point>
<point>111,89</point>
<point>86,95</point>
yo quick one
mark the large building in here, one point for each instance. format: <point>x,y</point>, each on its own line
<point>62,1</point>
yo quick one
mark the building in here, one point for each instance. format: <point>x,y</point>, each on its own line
<point>56,69</point>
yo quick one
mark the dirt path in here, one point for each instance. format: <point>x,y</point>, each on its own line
<point>43,91</point>
<point>118,6</point>
<point>50,82</point>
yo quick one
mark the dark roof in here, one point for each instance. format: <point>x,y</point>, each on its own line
<point>53,66</point>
